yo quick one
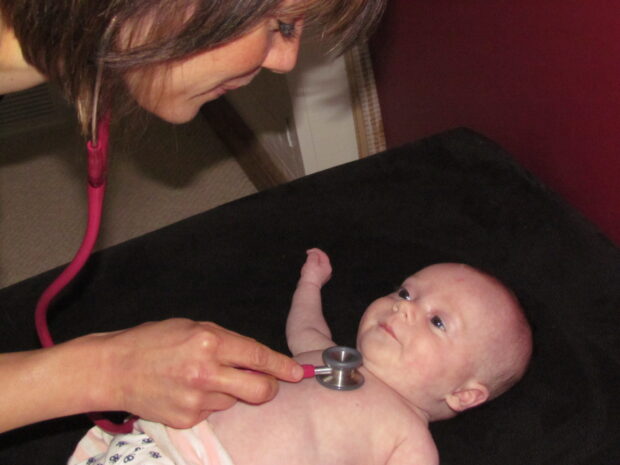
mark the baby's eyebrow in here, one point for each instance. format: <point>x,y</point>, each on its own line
<point>410,281</point>
<point>400,286</point>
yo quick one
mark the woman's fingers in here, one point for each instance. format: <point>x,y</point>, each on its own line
<point>249,386</point>
<point>178,371</point>
<point>216,401</point>
<point>239,351</point>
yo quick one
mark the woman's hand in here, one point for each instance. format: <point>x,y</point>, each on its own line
<point>179,371</point>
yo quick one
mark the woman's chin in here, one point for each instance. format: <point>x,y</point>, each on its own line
<point>176,116</point>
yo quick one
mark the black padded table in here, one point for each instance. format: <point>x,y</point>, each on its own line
<point>453,197</point>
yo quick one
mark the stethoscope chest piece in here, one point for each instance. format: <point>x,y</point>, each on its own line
<point>340,372</point>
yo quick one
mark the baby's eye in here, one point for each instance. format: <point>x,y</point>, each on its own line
<point>287,30</point>
<point>438,323</point>
<point>404,294</point>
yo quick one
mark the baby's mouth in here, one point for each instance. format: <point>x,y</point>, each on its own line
<point>387,328</point>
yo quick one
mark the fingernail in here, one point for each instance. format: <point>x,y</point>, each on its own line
<point>298,372</point>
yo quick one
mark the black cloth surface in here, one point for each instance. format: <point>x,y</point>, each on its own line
<point>453,197</point>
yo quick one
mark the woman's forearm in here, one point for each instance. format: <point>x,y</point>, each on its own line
<point>175,372</point>
<point>48,383</point>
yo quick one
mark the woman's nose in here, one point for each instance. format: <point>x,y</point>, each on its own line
<point>282,55</point>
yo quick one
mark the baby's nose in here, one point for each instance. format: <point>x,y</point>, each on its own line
<point>403,309</point>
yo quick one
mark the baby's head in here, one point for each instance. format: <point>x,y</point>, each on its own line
<point>450,338</point>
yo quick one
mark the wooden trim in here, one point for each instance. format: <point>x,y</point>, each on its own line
<point>365,102</point>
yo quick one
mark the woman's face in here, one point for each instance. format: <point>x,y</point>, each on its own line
<point>179,89</point>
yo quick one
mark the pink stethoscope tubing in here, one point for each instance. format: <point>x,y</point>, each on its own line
<point>97,174</point>
<point>97,167</point>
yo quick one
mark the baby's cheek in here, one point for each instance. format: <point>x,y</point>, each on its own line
<point>371,344</point>
<point>363,327</point>
<point>426,363</point>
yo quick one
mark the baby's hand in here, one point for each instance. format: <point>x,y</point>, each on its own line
<point>317,269</point>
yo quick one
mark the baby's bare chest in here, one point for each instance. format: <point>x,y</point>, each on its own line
<point>308,423</point>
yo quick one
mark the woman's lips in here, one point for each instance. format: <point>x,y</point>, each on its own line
<point>231,84</point>
<point>241,81</point>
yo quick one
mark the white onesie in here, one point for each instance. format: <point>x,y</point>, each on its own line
<point>153,444</point>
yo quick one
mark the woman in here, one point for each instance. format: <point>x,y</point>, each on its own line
<point>170,57</point>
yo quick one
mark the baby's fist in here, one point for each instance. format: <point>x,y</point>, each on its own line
<point>317,268</point>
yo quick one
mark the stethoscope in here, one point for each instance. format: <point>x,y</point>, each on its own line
<point>340,370</point>
<point>97,150</point>
<point>341,363</point>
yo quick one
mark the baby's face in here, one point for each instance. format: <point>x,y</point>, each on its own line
<point>426,339</point>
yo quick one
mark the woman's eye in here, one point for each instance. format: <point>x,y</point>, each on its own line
<point>404,294</point>
<point>438,323</point>
<point>287,30</point>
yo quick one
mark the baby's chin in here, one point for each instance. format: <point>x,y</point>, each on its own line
<point>377,345</point>
<point>374,364</point>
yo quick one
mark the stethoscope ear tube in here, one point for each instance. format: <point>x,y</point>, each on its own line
<point>97,163</point>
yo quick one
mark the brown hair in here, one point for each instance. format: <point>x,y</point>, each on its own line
<point>66,39</point>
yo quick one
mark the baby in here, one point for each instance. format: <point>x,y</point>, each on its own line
<point>449,339</point>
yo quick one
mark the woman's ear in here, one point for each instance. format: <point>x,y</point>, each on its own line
<point>471,394</point>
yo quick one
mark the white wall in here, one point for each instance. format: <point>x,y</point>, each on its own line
<point>322,109</point>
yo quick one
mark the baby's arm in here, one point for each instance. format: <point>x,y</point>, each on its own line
<point>415,450</point>
<point>306,328</point>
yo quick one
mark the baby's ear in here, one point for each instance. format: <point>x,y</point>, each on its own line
<point>471,394</point>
